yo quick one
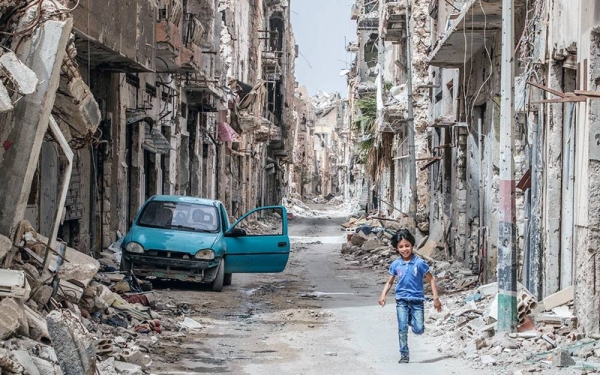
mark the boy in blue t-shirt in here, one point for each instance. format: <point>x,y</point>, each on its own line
<point>410,297</point>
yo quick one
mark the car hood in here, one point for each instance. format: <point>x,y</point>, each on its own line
<point>171,240</point>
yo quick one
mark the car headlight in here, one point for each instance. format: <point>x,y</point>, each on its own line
<point>134,247</point>
<point>205,254</point>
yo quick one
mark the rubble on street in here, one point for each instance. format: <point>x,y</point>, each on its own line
<point>547,339</point>
<point>72,314</point>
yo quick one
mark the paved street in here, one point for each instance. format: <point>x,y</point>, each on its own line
<point>320,316</point>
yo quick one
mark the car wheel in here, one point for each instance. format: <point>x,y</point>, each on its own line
<point>217,284</point>
<point>227,279</point>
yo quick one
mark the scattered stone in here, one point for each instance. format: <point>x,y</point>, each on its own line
<point>5,242</point>
<point>488,360</point>
<point>124,368</point>
<point>190,323</point>
<point>331,354</point>
<point>9,318</point>
<point>562,358</point>
<point>25,360</point>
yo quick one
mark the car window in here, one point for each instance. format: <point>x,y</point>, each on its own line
<point>266,222</point>
<point>180,216</point>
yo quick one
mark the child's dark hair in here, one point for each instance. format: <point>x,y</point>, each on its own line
<point>402,234</point>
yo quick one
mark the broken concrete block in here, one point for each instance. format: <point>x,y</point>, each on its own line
<point>42,294</point>
<point>9,318</point>
<point>371,244</point>
<point>562,358</point>
<point>359,238</point>
<point>38,329</point>
<point>72,343</point>
<point>5,242</point>
<point>488,289</point>
<point>559,298</point>
<point>43,366</point>
<point>488,360</point>
<point>429,248</point>
<point>6,104</point>
<point>107,367</point>
<point>137,358</point>
<point>25,360</point>
<point>24,78</point>
<point>124,368</point>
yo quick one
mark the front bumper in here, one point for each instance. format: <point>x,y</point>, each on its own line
<point>176,269</point>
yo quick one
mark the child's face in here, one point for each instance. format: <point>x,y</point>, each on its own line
<point>404,249</point>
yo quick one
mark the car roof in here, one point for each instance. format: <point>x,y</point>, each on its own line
<point>185,199</point>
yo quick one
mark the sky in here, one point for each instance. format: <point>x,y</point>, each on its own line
<point>320,27</point>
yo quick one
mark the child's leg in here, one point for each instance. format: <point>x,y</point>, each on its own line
<point>402,308</point>
<point>418,317</point>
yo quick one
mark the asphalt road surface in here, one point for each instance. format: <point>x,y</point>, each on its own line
<point>319,316</point>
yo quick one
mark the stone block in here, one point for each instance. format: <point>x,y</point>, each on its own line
<point>371,244</point>
<point>9,318</point>
<point>562,358</point>
<point>559,298</point>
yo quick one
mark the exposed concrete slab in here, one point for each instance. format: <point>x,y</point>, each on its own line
<point>24,78</point>
<point>25,360</point>
<point>22,133</point>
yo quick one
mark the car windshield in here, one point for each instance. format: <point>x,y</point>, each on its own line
<point>180,216</point>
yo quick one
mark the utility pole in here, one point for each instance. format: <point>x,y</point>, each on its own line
<point>507,251</point>
<point>410,124</point>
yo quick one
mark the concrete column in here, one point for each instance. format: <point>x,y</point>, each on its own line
<point>22,133</point>
<point>553,188</point>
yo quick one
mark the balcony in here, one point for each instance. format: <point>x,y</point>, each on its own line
<point>394,27</point>
<point>271,61</point>
<point>368,21</point>
<point>176,53</point>
<point>477,23</point>
<point>203,93</point>
<point>107,37</point>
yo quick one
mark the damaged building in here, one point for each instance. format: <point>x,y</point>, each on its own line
<point>456,91</point>
<point>169,97</point>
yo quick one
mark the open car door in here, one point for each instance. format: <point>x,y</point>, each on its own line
<point>258,242</point>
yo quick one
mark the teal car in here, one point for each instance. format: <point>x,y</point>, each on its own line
<point>190,239</point>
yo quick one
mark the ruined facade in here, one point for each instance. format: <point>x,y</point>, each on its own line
<point>456,59</point>
<point>175,97</point>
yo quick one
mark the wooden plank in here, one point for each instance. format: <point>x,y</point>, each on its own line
<point>570,99</point>
<point>588,93</point>
<point>547,89</point>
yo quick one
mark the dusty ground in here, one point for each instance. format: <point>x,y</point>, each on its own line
<point>320,316</point>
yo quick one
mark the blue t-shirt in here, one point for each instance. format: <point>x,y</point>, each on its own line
<point>410,278</point>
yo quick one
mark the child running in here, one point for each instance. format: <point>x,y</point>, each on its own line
<point>410,296</point>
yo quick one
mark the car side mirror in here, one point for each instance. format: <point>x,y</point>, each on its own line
<point>235,232</point>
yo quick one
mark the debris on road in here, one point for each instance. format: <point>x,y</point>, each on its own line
<point>76,316</point>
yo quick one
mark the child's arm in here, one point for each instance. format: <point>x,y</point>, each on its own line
<point>386,289</point>
<point>436,300</point>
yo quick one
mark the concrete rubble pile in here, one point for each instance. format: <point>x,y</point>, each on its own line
<point>547,337</point>
<point>68,314</point>
<point>295,207</point>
